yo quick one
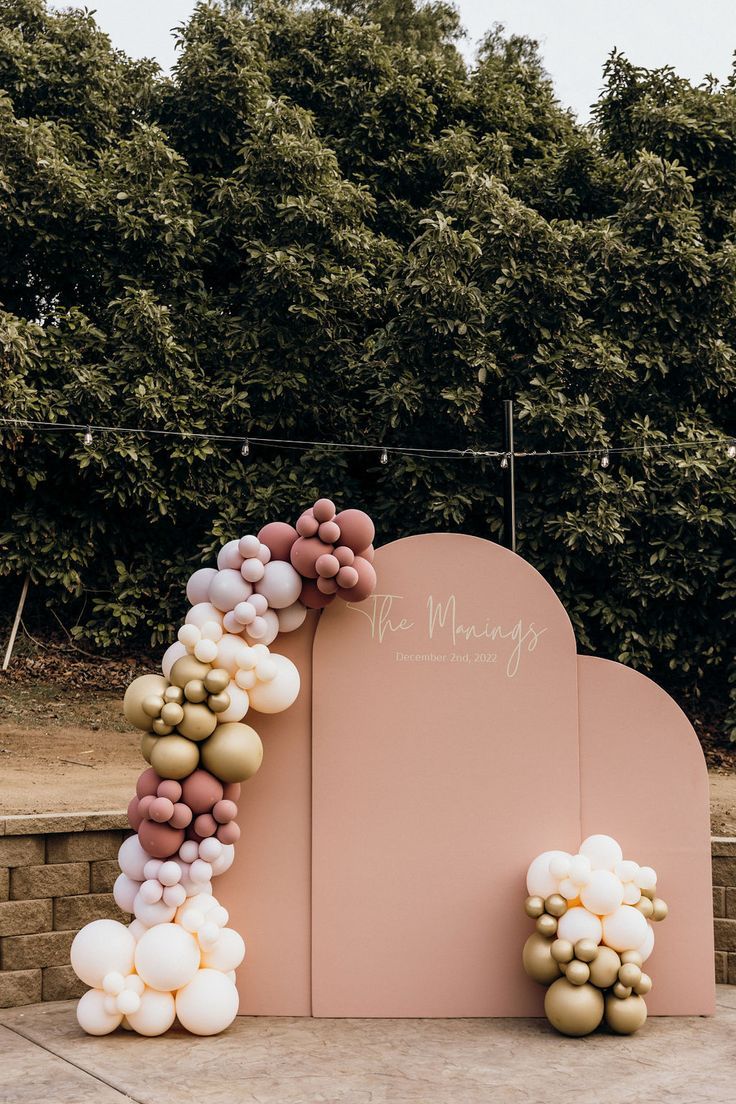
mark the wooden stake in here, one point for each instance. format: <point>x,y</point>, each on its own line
<point>16,623</point>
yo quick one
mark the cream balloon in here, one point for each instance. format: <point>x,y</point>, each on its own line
<point>167,957</point>
<point>604,892</point>
<point>124,892</point>
<point>239,703</point>
<point>578,923</point>
<point>539,881</point>
<point>272,629</point>
<point>101,947</point>
<point>155,1014</point>
<point>208,1003</point>
<point>646,947</point>
<point>203,612</point>
<point>280,692</point>
<point>231,648</point>
<point>603,852</point>
<point>227,953</point>
<point>93,1017</point>
<point>292,617</point>
<point>173,652</point>
<point>625,929</point>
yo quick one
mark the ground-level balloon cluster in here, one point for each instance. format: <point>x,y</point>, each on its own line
<point>177,957</point>
<point>593,936</point>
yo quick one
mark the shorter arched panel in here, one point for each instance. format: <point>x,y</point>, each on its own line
<point>644,781</point>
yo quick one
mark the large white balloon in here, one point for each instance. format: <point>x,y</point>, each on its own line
<point>291,617</point>
<point>281,584</point>
<point>173,652</point>
<point>539,881</point>
<point>225,861</point>
<point>198,587</point>
<point>603,851</point>
<point>625,929</point>
<point>227,953</point>
<point>646,948</point>
<point>239,702</point>
<point>132,858</point>
<point>577,923</point>
<point>155,1015</point>
<point>125,891</point>
<point>203,612</point>
<point>92,1015</point>
<point>208,1003</point>
<point>228,650</point>
<point>279,692</point>
<point>100,948</point>
<point>603,893</point>
<point>167,957</point>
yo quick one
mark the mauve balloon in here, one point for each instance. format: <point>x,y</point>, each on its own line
<point>134,816</point>
<point>205,825</point>
<point>181,816</point>
<point>198,587</point>
<point>160,840</point>
<point>312,598</point>
<point>144,805</point>
<point>161,810</point>
<point>327,586</point>
<point>365,585</point>
<point>344,555</point>
<point>305,553</point>
<point>356,529</point>
<point>231,791</point>
<point>201,790</point>
<point>279,537</point>
<point>327,566</point>
<point>307,525</point>
<point>367,553</point>
<point>228,833</point>
<point>324,509</point>
<point>329,532</point>
<point>148,783</point>
<point>224,811</point>
<point>347,577</point>
<point>169,788</point>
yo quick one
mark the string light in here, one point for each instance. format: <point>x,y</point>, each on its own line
<point>504,461</point>
<point>731,450</point>
<point>88,436</point>
<point>245,450</point>
<point>605,460</point>
<point>384,456</point>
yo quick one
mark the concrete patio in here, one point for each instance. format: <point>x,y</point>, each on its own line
<point>44,1056</point>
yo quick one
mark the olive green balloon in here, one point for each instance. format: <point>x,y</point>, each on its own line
<point>537,959</point>
<point>198,722</point>
<point>218,703</point>
<point>562,950</point>
<point>216,680</point>
<point>632,956</point>
<point>629,974</point>
<point>233,753</point>
<point>644,985</point>
<point>659,909</point>
<point>577,973</point>
<point>174,694</point>
<point>625,1016</point>
<point>555,905</point>
<point>161,728</point>
<point>148,742</point>
<point>546,925</point>
<point>172,713</point>
<point>586,950</point>
<point>187,668</point>
<point>152,705</point>
<point>604,968</point>
<point>645,906</point>
<point>146,686</point>
<point>174,757</point>
<point>194,691</point>
<point>573,1009</point>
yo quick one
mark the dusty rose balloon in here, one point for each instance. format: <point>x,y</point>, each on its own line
<point>228,833</point>
<point>229,557</point>
<point>169,788</point>
<point>198,587</point>
<point>231,791</point>
<point>228,588</point>
<point>356,529</point>
<point>329,532</point>
<point>134,816</point>
<point>367,553</point>
<point>201,790</point>
<point>291,617</point>
<point>279,537</point>
<point>161,810</point>
<point>205,825</point>
<point>344,555</point>
<point>305,553</point>
<point>181,816</point>
<point>144,805</point>
<point>224,811</point>
<point>148,783</point>
<point>365,585</point>
<point>324,509</point>
<point>307,525</point>
<point>327,586</point>
<point>280,585</point>
<point>313,598</point>
<point>347,577</point>
<point>327,566</point>
<point>160,840</point>
<point>264,554</point>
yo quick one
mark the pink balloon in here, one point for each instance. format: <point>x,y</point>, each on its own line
<point>161,810</point>
<point>347,577</point>
<point>280,585</point>
<point>243,614</point>
<point>253,569</point>
<point>249,546</point>
<point>324,509</point>
<point>327,586</point>
<point>327,566</point>
<point>201,790</point>
<point>169,788</point>
<point>307,525</point>
<point>205,825</point>
<point>231,791</point>
<point>279,537</point>
<point>329,532</point>
<point>228,588</point>
<point>305,553</point>
<point>365,585</point>
<point>258,628</point>
<point>148,783</point>
<point>264,554</point>
<point>145,804</point>
<point>259,602</point>
<point>312,598</point>
<point>229,557</point>
<point>356,529</point>
<point>344,555</point>
<point>230,622</point>
<point>134,816</point>
<point>160,840</point>
<point>198,587</point>
<point>228,833</point>
<point>367,553</point>
<point>224,811</point>
<point>181,816</point>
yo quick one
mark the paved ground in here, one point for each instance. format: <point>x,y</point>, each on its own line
<point>45,1057</point>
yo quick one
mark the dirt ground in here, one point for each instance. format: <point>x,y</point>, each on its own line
<point>65,746</point>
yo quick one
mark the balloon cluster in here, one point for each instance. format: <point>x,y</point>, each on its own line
<point>177,957</point>
<point>592,913</point>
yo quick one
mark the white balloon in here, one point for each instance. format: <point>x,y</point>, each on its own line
<point>279,692</point>
<point>128,1002</point>
<point>205,651</point>
<point>113,983</point>
<point>175,895</point>
<point>632,893</point>
<point>198,587</point>
<point>229,556</point>
<point>646,948</point>
<point>92,1015</point>
<point>625,929</point>
<point>100,948</point>
<point>188,852</point>
<point>627,870</point>
<point>603,852</point>
<point>124,891</point>
<point>150,913</point>
<point>239,702</point>
<point>210,849</point>
<point>646,878</point>
<point>577,923</point>
<point>211,630</point>
<point>227,953</point>
<point>292,617</point>
<point>173,652</point>
<point>132,858</point>
<point>569,889</point>
<point>225,861</point>
<point>156,1013</point>
<point>539,881</point>
<point>579,869</point>
<point>151,891</point>
<point>169,873</point>
<point>272,628</point>
<point>281,584</point>
<point>559,866</point>
<point>604,892</point>
<point>227,589</point>
<point>203,612</point>
<point>152,868</point>
<point>167,957</point>
<point>228,650</point>
<point>207,1004</point>
<point>189,635</point>
<point>136,929</point>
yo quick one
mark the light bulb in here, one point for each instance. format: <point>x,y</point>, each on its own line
<point>504,461</point>
<point>88,436</point>
<point>605,460</point>
<point>384,456</point>
<point>245,450</point>
<point>731,450</point>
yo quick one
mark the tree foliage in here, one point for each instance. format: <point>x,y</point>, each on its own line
<point>323,226</point>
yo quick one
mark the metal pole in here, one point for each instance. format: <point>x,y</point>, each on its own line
<point>509,488</point>
<point>16,623</point>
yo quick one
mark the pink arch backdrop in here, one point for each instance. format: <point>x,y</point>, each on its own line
<point>452,733</point>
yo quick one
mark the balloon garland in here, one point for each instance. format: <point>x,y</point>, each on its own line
<point>592,937</point>
<point>177,957</point>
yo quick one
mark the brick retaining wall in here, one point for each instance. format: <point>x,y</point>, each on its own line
<point>57,873</point>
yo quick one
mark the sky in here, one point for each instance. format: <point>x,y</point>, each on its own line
<point>575,36</point>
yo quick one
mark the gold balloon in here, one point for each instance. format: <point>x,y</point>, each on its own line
<point>148,742</point>
<point>198,721</point>
<point>644,985</point>
<point>604,968</point>
<point>562,950</point>
<point>645,906</point>
<point>621,992</point>
<point>174,757</point>
<point>629,974</point>
<point>217,680</point>
<point>146,686</point>
<point>648,893</point>
<point>161,728</point>
<point>659,909</point>
<point>555,905</point>
<point>172,714</point>
<point>586,950</point>
<point>174,694</point>
<point>194,691</point>
<point>632,956</point>
<point>534,907</point>
<point>233,753</point>
<point>218,703</point>
<point>573,1009</point>
<point>188,668</point>
<point>537,959</point>
<point>577,973</point>
<point>152,705</point>
<point>625,1016</point>
<point>546,925</point>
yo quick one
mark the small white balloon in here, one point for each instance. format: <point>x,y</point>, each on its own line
<point>110,1005</point>
<point>539,881</point>
<point>100,948</point>
<point>577,923</point>
<point>249,546</point>
<point>280,584</point>
<point>113,983</point>
<point>210,850</point>
<point>207,1004</point>
<point>632,893</point>
<point>93,1016</point>
<point>603,893</point>
<point>225,861</point>
<point>189,635</point>
<point>569,889</point>
<point>271,630</point>
<point>246,680</point>
<point>128,1002</point>
<point>229,556</point>
<point>152,868</point>
<point>559,866</point>
<point>229,650</point>
<point>169,873</point>
<point>208,935</point>
<point>156,1013</point>
<point>200,871</point>
<point>205,651</point>
<point>151,891</point>
<point>150,913</point>
<point>603,852</point>
<point>626,870</point>
<point>188,852</point>
<point>252,570</point>
<point>646,878</point>
<point>625,929</point>
<point>175,895</point>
